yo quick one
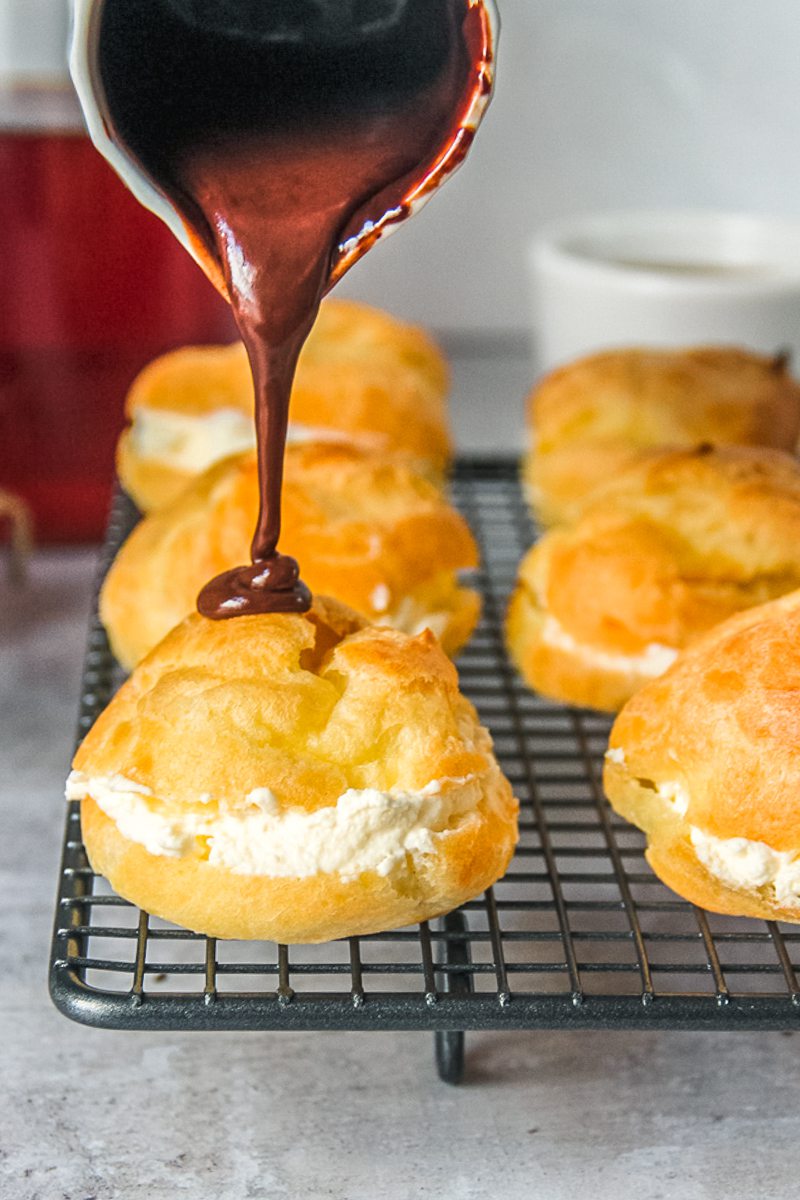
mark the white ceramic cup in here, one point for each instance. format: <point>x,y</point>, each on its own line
<point>84,68</point>
<point>664,279</point>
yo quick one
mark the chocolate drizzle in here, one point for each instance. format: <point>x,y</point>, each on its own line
<point>287,135</point>
<point>273,585</point>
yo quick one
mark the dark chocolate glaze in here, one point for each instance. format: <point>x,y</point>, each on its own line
<point>285,133</point>
<point>240,590</point>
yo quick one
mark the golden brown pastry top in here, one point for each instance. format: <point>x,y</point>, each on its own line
<point>724,722</point>
<point>307,706</point>
<point>368,531</point>
<point>733,510</point>
<point>361,373</point>
<point>347,332</point>
<point>646,397</point>
<point>674,544</point>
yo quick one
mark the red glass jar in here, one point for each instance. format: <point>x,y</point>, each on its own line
<point>93,287</point>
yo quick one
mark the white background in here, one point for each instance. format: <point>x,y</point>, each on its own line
<point>602,104</point>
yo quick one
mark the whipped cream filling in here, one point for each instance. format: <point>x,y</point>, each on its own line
<point>381,598</point>
<point>191,443</point>
<point>653,661</point>
<point>365,830</point>
<point>739,862</point>
<point>675,795</point>
<point>411,617</point>
<point>303,435</point>
<point>742,863</point>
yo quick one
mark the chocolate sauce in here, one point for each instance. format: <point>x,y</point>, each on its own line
<point>287,134</point>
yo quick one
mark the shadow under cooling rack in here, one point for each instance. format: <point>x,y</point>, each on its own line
<point>578,934</point>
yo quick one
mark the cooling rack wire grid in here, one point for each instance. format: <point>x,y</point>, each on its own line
<point>579,933</point>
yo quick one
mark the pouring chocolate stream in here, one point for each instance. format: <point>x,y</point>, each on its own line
<point>287,135</point>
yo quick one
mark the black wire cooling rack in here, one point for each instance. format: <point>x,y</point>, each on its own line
<point>579,934</point>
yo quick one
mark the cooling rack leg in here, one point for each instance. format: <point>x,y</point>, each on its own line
<point>450,1055</point>
<point>449,1043</point>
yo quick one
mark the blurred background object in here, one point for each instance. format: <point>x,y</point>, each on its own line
<point>664,279</point>
<point>93,287</point>
<point>599,106</point>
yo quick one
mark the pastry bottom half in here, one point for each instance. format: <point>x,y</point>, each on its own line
<point>223,904</point>
<point>672,856</point>
<point>559,672</point>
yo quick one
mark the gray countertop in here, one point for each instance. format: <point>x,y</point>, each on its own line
<point>89,1114</point>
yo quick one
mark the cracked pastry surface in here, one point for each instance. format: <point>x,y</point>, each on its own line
<point>297,778</point>
<point>591,418</point>
<point>374,534</point>
<point>673,545</point>
<point>706,760</point>
<point>363,379</point>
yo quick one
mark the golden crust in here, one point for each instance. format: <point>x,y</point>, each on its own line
<point>151,484</point>
<point>194,380</point>
<point>216,701</point>
<point>372,533</point>
<point>724,724</point>
<point>363,376</point>
<point>594,416</point>
<point>675,544</point>
<point>363,371</point>
<point>558,483</point>
<point>308,707</point>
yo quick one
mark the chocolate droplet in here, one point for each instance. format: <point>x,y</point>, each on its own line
<point>271,586</point>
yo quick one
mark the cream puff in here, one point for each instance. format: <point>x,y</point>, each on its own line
<point>675,544</point>
<point>706,760</point>
<point>591,418</point>
<point>363,379</point>
<point>374,534</point>
<point>297,778</point>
